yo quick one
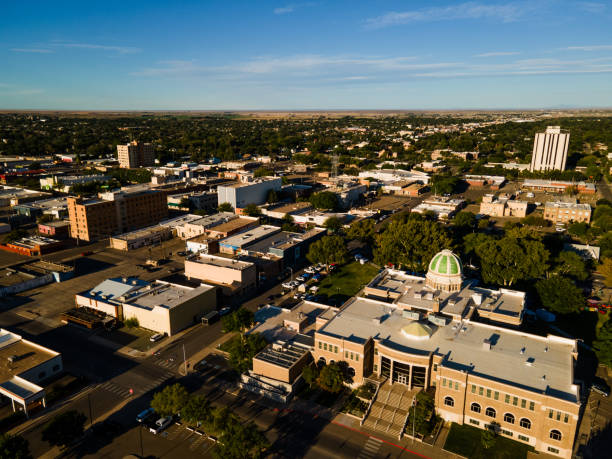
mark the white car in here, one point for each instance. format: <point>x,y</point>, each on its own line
<point>310,270</point>
<point>287,285</point>
<point>161,424</point>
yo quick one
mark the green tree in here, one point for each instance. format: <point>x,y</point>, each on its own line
<point>14,447</point>
<point>464,219</point>
<point>196,410</point>
<point>578,229</point>
<point>289,224</point>
<point>310,374</point>
<point>170,400</point>
<point>252,210</point>
<point>241,351</point>
<point>325,200</point>
<point>606,271</point>
<point>410,242</point>
<point>262,172</point>
<point>272,197</point>
<point>45,218</point>
<point>571,264</point>
<point>363,230</point>
<point>603,343</point>
<point>331,378</point>
<point>328,249</point>
<point>64,428</point>
<point>239,320</point>
<point>333,224</point>
<point>444,184</point>
<point>422,413</point>
<point>225,207</point>
<point>560,295</point>
<point>487,439</point>
<point>240,441</point>
<point>511,259</point>
<point>15,235</point>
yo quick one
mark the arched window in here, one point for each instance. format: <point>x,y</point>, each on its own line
<point>475,407</point>
<point>555,435</point>
<point>525,423</point>
<point>509,418</point>
<point>448,401</point>
<point>490,412</point>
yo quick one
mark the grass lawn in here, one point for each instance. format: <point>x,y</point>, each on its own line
<point>136,338</point>
<point>465,440</point>
<point>346,281</point>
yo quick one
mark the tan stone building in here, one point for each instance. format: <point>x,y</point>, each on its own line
<point>239,276</point>
<point>115,212</point>
<point>566,212</point>
<point>136,154</point>
<point>495,206</point>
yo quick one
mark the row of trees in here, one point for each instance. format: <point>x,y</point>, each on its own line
<point>236,439</point>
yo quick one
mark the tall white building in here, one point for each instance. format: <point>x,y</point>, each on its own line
<point>550,150</point>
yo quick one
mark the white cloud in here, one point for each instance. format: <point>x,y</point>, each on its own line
<point>498,53</point>
<point>470,10</point>
<point>292,7</point>
<point>589,48</point>
<point>32,50</point>
<point>117,49</point>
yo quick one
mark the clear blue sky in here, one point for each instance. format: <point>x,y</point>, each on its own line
<point>208,54</point>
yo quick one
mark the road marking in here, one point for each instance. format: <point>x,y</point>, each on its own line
<point>116,389</point>
<point>370,449</point>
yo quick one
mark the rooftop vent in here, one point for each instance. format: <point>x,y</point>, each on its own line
<point>134,282</point>
<point>13,358</point>
<point>477,298</point>
<point>522,350</point>
<point>124,280</point>
<point>486,344</point>
<point>418,295</point>
<point>529,362</point>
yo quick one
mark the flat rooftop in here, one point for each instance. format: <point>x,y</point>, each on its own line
<point>250,236</point>
<point>33,241</point>
<point>247,184</point>
<point>542,364</point>
<point>24,355</point>
<point>270,320</point>
<point>144,232</point>
<point>212,220</point>
<point>230,225</point>
<point>282,354</point>
<point>220,262</point>
<point>167,296</point>
<point>291,207</point>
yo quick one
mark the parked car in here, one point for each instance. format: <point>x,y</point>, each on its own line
<point>287,285</point>
<point>320,267</point>
<point>363,260</point>
<point>601,387</point>
<point>317,277</point>
<point>160,425</point>
<point>145,415</point>
<point>310,270</point>
<point>358,256</point>
<point>224,311</point>
<point>157,337</point>
<point>333,267</point>
<point>303,278</point>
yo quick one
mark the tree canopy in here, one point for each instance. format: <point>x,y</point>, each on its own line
<point>331,378</point>
<point>14,447</point>
<point>225,207</point>
<point>64,428</point>
<point>239,320</point>
<point>410,242</point>
<point>324,200</point>
<point>243,349</point>
<point>328,249</point>
<point>363,230</point>
<point>170,400</point>
<point>560,295</point>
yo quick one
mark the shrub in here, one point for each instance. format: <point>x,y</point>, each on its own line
<point>132,322</point>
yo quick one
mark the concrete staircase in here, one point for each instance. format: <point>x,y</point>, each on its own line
<point>390,409</point>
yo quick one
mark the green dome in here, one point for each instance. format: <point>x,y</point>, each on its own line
<point>445,263</point>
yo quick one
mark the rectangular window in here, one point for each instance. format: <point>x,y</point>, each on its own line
<point>376,352</point>
<point>531,406</point>
<point>480,390</point>
<point>496,395</point>
<point>550,414</point>
<point>566,418</point>
<point>435,367</point>
<point>515,401</point>
<point>336,349</point>
<point>523,438</point>
<point>507,398</point>
<point>443,382</point>
<point>523,403</point>
<point>475,422</point>
<point>558,415</point>
<point>375,368</point>
<point>488,393</point>
<point>507,432</point>
<point>324,346</point>
<point>553,450</point>
<point>456,386</point>
<point>473,388</point>
<point>356,357</point>
<point>346,354</point>
<point>320,345</point>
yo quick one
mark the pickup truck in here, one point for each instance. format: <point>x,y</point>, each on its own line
<point>160,425</point>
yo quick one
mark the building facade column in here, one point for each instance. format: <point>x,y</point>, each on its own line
<point>410,377</point>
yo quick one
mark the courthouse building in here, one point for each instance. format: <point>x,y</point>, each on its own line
<point>409,333</point>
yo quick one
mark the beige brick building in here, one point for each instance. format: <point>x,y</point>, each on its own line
<point>495,206</point>
<point>136,154</point>
<point>565,212</point>
<point>114,212</point>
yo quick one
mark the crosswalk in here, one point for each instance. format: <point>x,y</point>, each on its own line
<point>170,365</point>
<point>124,392</point>
<point>370,449</point>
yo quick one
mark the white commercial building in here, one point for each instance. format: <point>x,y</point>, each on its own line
<point>550,150</point>
<point>239,195</point>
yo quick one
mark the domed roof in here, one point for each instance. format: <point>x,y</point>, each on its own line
<point>416,330</point>
<point>445,263</point>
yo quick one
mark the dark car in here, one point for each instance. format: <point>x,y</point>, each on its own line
<point>601,387</point>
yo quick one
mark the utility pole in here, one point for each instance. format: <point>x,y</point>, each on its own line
<point>90,412</point>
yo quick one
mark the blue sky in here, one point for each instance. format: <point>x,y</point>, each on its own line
<point>305,55</point>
